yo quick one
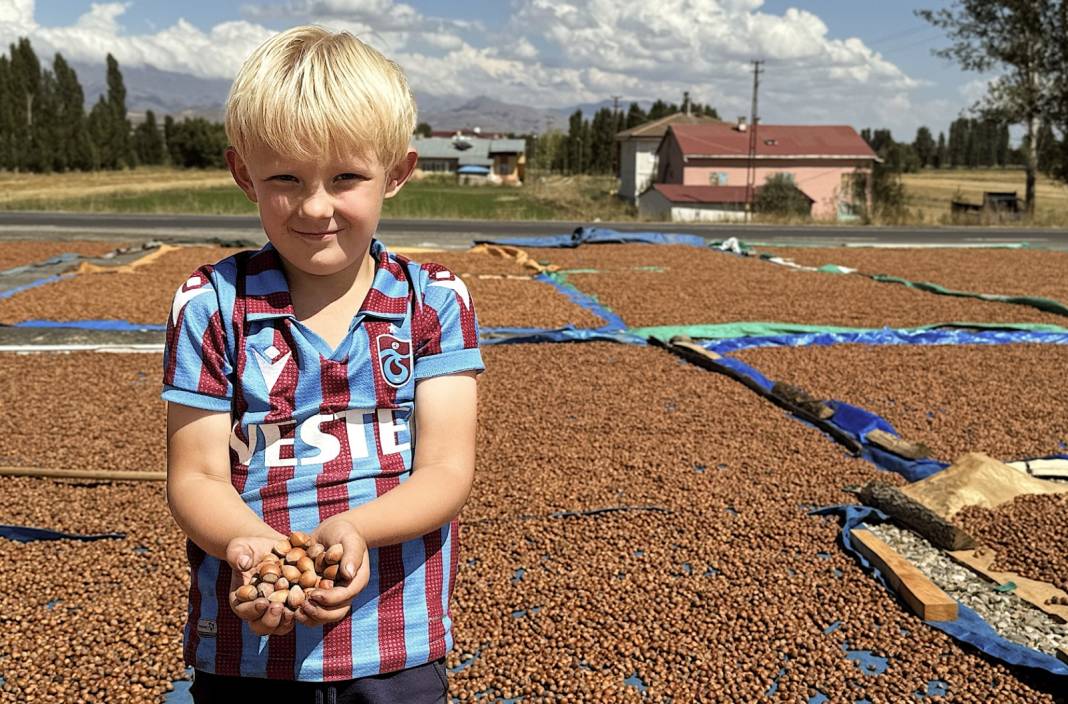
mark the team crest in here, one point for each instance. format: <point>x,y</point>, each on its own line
<point>394,359</point>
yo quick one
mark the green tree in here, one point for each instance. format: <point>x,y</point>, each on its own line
<point>780,196</point>
<point>423,129</point>
<point>198,143</point>
<point>118,152</point>
<point>76,143</point>
<point>25,86</point>
<point>940,154</point>
<point>7,118</point>
<point>168,140</point>
<point>602,141</point>
<point>1014,38</point>
<point>148,141</point>
<point>635,116</point>
<point>924,146</point>
<point>659,109</point>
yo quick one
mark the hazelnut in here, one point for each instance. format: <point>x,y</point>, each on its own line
<point>334,553</point>
<point>246,593</point>
<point>281,583</point>
<point>294,555</point>
<point>331,572</point>
<point>305,564</point>
<point>291,573</point>
<point>279,596</point>
<point>296,597</point>
<point>308,579</point>
<point>270,572</point>
<point>282,547</point>
<point>265,589</point>
<point>299,540</point>
<point>316,550</point>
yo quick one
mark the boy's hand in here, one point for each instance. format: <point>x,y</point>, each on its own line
<point>331,605</point>
<point>264,618</point>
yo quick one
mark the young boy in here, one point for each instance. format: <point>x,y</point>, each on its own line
<point>297,378</point>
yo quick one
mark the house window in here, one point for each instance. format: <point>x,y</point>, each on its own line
<point>435,165</point>
<point>717,178</point>
<point>504,166</point>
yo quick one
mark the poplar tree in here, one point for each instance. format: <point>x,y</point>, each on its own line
<point>1015,37</point>
<point>119,149</point>
<point>924,145</point>
<point>7,119</point>
<point>70,111</point>
<point>148,141</point>
<point>25,85</point>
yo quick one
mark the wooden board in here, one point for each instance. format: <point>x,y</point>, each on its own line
<point>88,474</point>
<point>921,594</point>
<point>1062,654</point>
<point>1030,590</point>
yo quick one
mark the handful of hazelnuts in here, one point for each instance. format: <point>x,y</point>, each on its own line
<point>294,568</point>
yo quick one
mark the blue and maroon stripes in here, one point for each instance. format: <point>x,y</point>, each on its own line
<point>290,402</point>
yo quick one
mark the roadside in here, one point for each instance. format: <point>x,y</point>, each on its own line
<point>545,197</point>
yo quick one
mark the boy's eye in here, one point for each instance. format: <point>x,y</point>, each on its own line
<point>347,177</point>
<point>283,177</point>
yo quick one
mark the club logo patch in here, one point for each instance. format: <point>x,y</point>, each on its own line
<point>207,628</point>
<point>394,359</point>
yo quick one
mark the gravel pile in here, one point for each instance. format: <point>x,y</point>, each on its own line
<point>1012,617</point>
<point>1029,535</point>
<point>525,303</point>
<point>141,295</point>
<point>82,410</point>
<point>1019,272</point>
<point>713,287</point>
<point>1005,400</point>
<point>15,253</point>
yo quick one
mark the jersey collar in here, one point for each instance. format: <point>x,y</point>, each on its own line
<point>267,286</point>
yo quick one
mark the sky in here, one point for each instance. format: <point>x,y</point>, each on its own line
<point>866,63</point>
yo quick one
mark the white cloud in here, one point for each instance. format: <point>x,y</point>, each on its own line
<point>553,53</point>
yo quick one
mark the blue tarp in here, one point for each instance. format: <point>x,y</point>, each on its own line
<point>969,627</point>
<point>855,422</point>
<point>598,235</point>
<point>507,336</point>
<point>612,321</point>
<point>26,534</point>
<point>8,293</point>
<point>890,336</point>
<point>119,325</point>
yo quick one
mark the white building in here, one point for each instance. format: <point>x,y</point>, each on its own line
<point>637,147</point>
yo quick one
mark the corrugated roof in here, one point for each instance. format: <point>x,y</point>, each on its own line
<point>659,127</point>
<point>678,193</point>
<point>723,140</point>
<point>508,146</point>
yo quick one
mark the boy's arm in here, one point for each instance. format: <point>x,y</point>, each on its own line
<point>443,468</point>
<point>201,498</point>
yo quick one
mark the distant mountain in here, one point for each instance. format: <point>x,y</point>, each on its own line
<point>163,92</point>
<point>184,95</point>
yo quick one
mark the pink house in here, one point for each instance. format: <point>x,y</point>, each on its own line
<point>822,160</point>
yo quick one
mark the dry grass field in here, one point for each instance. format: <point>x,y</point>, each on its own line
<point>50,189</point>
<point>930,193</point>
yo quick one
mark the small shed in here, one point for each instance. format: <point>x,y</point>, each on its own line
<point>679,203</point>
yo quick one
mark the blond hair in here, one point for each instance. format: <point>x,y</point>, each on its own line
<point>307,93</point>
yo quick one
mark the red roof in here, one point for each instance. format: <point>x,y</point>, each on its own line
<point>677,193</point>
<point>724,140</point>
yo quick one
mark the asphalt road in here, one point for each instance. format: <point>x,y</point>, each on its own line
<point>459,233</point>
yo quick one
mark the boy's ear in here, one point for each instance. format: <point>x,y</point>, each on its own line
<point>239,171</point>
<point>400,173</point>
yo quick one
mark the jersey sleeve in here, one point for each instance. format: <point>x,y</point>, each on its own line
<point>196,368</point>
<point>447,334</point>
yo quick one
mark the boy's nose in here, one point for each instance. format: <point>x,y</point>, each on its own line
<point>317,205</point>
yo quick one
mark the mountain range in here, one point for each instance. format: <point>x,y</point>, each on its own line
<point>183,95</point>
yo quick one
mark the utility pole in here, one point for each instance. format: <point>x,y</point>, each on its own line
<point>615,103</point>
<point>754,118</point>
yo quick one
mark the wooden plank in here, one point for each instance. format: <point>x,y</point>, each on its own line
<point>921,594</point>
<point>88,474</point>
<point>1062,654</point>
<point>898,446</point>
<point>1032,591</point>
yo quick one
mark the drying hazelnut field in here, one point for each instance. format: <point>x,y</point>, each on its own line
<point>658,427</point>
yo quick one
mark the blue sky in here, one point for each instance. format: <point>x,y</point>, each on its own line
<point>863,62</point>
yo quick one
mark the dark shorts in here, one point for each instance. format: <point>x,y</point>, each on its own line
<point>424,684</point>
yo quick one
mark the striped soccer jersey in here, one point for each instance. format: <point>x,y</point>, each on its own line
<point>315,433</point>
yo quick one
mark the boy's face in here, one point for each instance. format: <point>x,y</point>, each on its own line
<point>319,215</point>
